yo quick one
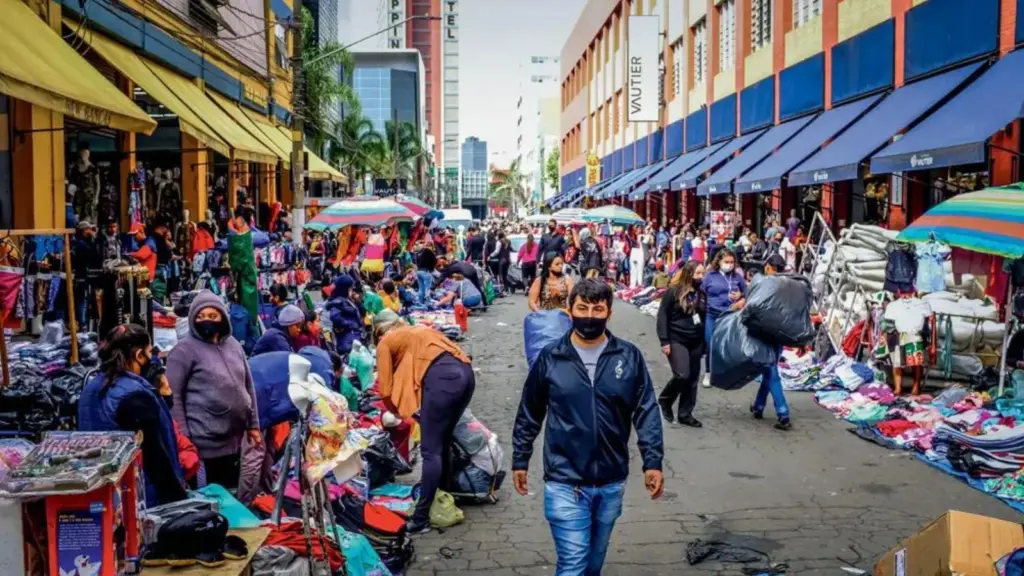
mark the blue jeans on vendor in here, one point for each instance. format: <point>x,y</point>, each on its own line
<point>709,330</point>
<point>472,301</point>
<point>771,383</point>
<point>424,281</point>
<point>582,519</point>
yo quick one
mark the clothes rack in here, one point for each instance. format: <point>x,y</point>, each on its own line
<point>66,233</point>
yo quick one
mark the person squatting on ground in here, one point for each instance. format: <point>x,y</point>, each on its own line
<point>420,371</point>
<point>681,332</point>
<point>592,388</point>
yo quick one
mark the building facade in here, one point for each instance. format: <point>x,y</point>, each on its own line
<point>538,83</point>
<point>326,19</point>
<point>390,85</point>
<point>732,71</point>
<point>474,154</point>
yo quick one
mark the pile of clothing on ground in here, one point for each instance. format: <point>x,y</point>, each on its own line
<point>964,433</point>
<point>442,320</point>
<point>646,298</point>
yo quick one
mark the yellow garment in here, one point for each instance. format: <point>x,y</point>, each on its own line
<point>392,302</point>
<point>39,67</point>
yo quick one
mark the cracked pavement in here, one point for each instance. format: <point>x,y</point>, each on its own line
<point>816,498</point>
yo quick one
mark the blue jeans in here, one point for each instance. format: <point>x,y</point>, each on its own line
<point>424,281</point>
<point>709,331</point>
<point>472,301</point>
<point>582,519</point>
<point>771,383</point>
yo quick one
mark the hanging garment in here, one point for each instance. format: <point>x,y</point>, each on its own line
<point>900,271</point>
<point>11,280</point>
<point>931,277</point>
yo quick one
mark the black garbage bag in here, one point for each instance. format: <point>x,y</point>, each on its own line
<point>383,462</point>
<point>778,310</point>
<point>736,356</point>
<point>65,390</point>
<point>26,405</point>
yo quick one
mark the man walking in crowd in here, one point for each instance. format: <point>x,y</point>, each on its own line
<point>552,241</point>
<point>475,245</point>
<point>592,387</point>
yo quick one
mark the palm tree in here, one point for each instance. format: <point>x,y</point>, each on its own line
<point>509,187</point>
<point>323,89</point>
<point>356,143</point>
<point>396,152</point>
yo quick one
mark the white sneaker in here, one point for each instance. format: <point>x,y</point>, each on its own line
<point>707,381</point>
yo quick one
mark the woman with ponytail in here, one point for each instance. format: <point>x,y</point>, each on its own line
<point>121,398</point>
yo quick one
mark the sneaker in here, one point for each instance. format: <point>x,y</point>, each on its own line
<point>784,424</point>
<point>758,414</point>
<point>666,412</point>
<point>691,422</point>
<point>414,526</point>
<point>707,380</point>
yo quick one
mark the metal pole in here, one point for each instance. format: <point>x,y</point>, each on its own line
<point>299,111</point>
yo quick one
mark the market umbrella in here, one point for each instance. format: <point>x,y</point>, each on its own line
<point>569,216</point>
<point>361,211</point>
<point>614,214</point>
<point>990,221</point>
<point>419,207</point>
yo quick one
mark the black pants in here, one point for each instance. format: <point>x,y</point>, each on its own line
<point>529,273</point>
<point>685,363</point>
<point>447,389</point>
<point>224,470</point>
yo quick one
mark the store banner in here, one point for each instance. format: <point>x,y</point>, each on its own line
<point>642,68</point>
<point>593,170</point>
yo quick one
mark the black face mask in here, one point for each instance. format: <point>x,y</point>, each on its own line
<point>551,229</point>
<point>147,371</point>
<point>557,273</point>
<point>696,282</point>
<point>207,329</point>
<point>589,328</point>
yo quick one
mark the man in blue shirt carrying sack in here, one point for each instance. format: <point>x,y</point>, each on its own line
<point>592,388</point>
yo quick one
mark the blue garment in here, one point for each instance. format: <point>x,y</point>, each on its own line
<point>473,300</point>
<point>424,281</point>
<point>346,323</point>
<point>586,436</point>
<point>97,412</point>
<point>687,249</point>
<point>931,277</point>
<point>273,340</point>
<point>243,328</point>
<point>582,519</point>
<point>709,331</point>
<point>771,383</point>
<point>270,380</point>
<point>717,286</point>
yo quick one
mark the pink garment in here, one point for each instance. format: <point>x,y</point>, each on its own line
<point>528,256</point>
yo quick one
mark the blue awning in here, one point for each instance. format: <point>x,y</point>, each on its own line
<point>691,177</point>
<point>768,174</point>
<point>958,132</point>
<point>644,181</point>
<point>841,159</point>
<point>598,190</point>
<point>675,167</point>
<point>615,189</point>
<point>638,176</point>
<point>721,181</point>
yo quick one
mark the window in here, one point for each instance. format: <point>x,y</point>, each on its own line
<point>760,24</point>
<point>804,11</point>
<point>726,35</point>
<point>615,25</point>
<point>700,50</point>
<point>677,67</point>
<point>615,115</point>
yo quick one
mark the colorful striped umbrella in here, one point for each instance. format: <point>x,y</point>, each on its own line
<point>569,216</point>
<point>361,211</point>
<point>990,221</point>
<point>614,214</point>
<point>419,207</point>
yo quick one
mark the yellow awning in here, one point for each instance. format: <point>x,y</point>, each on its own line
<point>37,66</point>
<point>249,125</point>
<point>198,115</point>
<point>318,169</point>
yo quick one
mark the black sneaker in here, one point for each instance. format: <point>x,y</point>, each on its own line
<point>758,414</point>
<point>784,424</point>
<point>666,412</point>
<point>691,422</point>
<point>414,526</point>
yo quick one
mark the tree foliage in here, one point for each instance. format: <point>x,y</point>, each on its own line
<point>509,187</point>
<point>551,170</point>
<point>323,88</point>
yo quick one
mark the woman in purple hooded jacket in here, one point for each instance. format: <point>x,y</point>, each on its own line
<point>215,402</point>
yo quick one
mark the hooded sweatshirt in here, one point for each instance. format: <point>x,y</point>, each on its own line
<point>346,320</point>
<point>214,399</point>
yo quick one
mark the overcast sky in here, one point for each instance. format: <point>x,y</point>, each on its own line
<point>496,37</point>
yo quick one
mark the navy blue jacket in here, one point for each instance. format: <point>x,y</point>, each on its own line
<point>716,287</point>
<point>586,438</point>
<point>273,340</point>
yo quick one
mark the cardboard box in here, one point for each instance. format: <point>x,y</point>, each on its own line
<point>957,543</point>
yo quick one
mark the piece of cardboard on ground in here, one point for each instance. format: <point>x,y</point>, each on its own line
<point>254,538</point>
<point>956,543</point>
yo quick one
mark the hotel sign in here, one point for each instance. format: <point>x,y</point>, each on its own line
<point>396,34</point>
<point>451,20</point>
<point>642,51</point>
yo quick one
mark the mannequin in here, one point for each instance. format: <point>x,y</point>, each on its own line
<point>86,179</point>
<point>637,259</point>
<point>184,232</point>
<point>169,207</point>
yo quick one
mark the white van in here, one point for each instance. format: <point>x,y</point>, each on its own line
<point>455,217</point>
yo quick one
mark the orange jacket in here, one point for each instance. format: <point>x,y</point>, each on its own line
<point>403,356</point>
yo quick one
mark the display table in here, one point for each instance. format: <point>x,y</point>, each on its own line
<point>254,538</point>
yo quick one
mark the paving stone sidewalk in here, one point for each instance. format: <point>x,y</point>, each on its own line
<point>817,497</point>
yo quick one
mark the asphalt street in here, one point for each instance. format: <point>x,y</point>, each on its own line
<point>817,497</point>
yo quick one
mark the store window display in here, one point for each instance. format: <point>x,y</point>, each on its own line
<point>84,186</point>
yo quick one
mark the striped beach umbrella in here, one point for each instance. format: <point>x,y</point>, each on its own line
<point>990,221</point>
<point>614,214</point>
<point>361,211</point>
